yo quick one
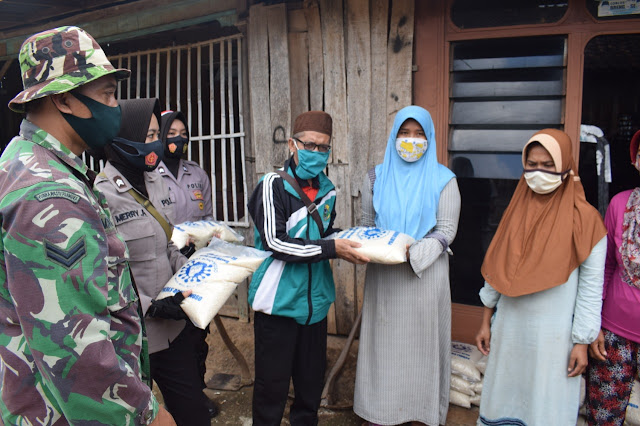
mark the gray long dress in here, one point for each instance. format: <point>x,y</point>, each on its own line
<point>405,343</point>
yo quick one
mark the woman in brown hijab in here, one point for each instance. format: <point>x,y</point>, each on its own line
<point>543,277</point>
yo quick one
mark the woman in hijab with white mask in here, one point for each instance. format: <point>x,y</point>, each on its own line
<point>543,277</point>
<point>405,343</point>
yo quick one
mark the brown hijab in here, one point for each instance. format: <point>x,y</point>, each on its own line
<point>541,239</point>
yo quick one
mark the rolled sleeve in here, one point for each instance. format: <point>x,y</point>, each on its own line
<point>489,296</point>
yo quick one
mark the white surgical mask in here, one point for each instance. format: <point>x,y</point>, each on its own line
<point>542,182</point>
<point>411,149</point>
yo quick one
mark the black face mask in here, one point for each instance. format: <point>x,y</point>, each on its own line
<point>98,130</point>
<point>139,155</point>
<point>176,146</point>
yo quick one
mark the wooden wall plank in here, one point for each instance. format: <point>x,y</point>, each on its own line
<point>316,62</point>
<point>335,100</point>
<point>296,21</point>
<point>431,80</point>
<point>379,133</point>
<point>343,272</point>
<point>331,320</point>
<point>299,73</point>
<point>279,83</point>
<point>399,58</point>
<point>361,270</point>
<point>358,61</point>
<point>259,89</point>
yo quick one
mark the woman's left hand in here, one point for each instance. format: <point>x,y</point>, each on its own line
<point>577,360</point>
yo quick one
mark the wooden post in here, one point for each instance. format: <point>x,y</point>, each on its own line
<point>299,73</point>
<point>359,91</point>
<point>399,58</point>
<point>335,100</point>
<point>279,86</point>
<point>379,133</point>
<point>316,62</point>
<point>259,89</point>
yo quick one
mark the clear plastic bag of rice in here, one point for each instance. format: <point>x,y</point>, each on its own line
<point>201,232</point>
<point>380,246</point>
<point>463,361</point>
<point>212,274</point>
<point>461,385</point>
<point>459,399</point>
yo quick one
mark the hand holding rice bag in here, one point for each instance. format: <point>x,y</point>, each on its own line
<point>212,273</point>
<point>380,246</point>
<point>201,232</point>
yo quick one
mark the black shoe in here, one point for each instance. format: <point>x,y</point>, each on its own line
<point>213,408</point>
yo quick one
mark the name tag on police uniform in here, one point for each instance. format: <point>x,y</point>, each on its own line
<point>128,216</point>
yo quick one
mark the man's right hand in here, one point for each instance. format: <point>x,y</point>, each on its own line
<point>163,418</point>
<point>345,249</point>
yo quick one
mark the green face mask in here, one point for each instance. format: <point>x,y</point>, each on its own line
<point>99,130</point>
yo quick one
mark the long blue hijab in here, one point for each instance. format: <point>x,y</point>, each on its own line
<point>406,195</point>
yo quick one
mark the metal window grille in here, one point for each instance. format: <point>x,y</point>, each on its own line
<point>204,81</point>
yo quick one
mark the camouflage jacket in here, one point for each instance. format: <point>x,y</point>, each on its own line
<point>71,339</point>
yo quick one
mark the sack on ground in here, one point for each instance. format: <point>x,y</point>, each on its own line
<point>633,409</point>
<point>477,387</point>
<point>475,400</point>
<point>459,399</point>
<point>461,385</point>
<point>463,359</point>
<point>212,273</point>
<point>380,246</point>
<point>201,232</point>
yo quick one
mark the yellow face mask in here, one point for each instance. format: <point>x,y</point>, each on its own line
<point>411,149</point>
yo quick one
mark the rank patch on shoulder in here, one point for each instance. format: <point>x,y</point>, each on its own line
<point>74,198</point>
<point>68,257</point>
<point>119,181</point>
<point>197,194</point>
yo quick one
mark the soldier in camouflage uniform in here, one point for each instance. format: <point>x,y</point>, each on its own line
<point>72,348</point>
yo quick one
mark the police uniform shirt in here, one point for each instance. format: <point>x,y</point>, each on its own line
<point>190,192</point>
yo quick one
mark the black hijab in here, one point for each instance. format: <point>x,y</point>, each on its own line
<point>136,114</point>
<point>173,164</point>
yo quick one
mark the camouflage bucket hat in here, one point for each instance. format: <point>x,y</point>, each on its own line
<point>59,60</point>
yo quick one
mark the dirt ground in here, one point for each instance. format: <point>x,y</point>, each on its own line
<point>235,406</point>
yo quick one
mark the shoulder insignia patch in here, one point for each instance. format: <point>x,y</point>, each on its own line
<point>119,181</point>
<point>74,198</point>
<point>68,257</point>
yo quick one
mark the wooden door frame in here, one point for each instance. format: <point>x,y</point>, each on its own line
<point>434,33</point>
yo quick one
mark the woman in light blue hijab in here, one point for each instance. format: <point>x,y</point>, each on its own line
<point>405,343</point>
